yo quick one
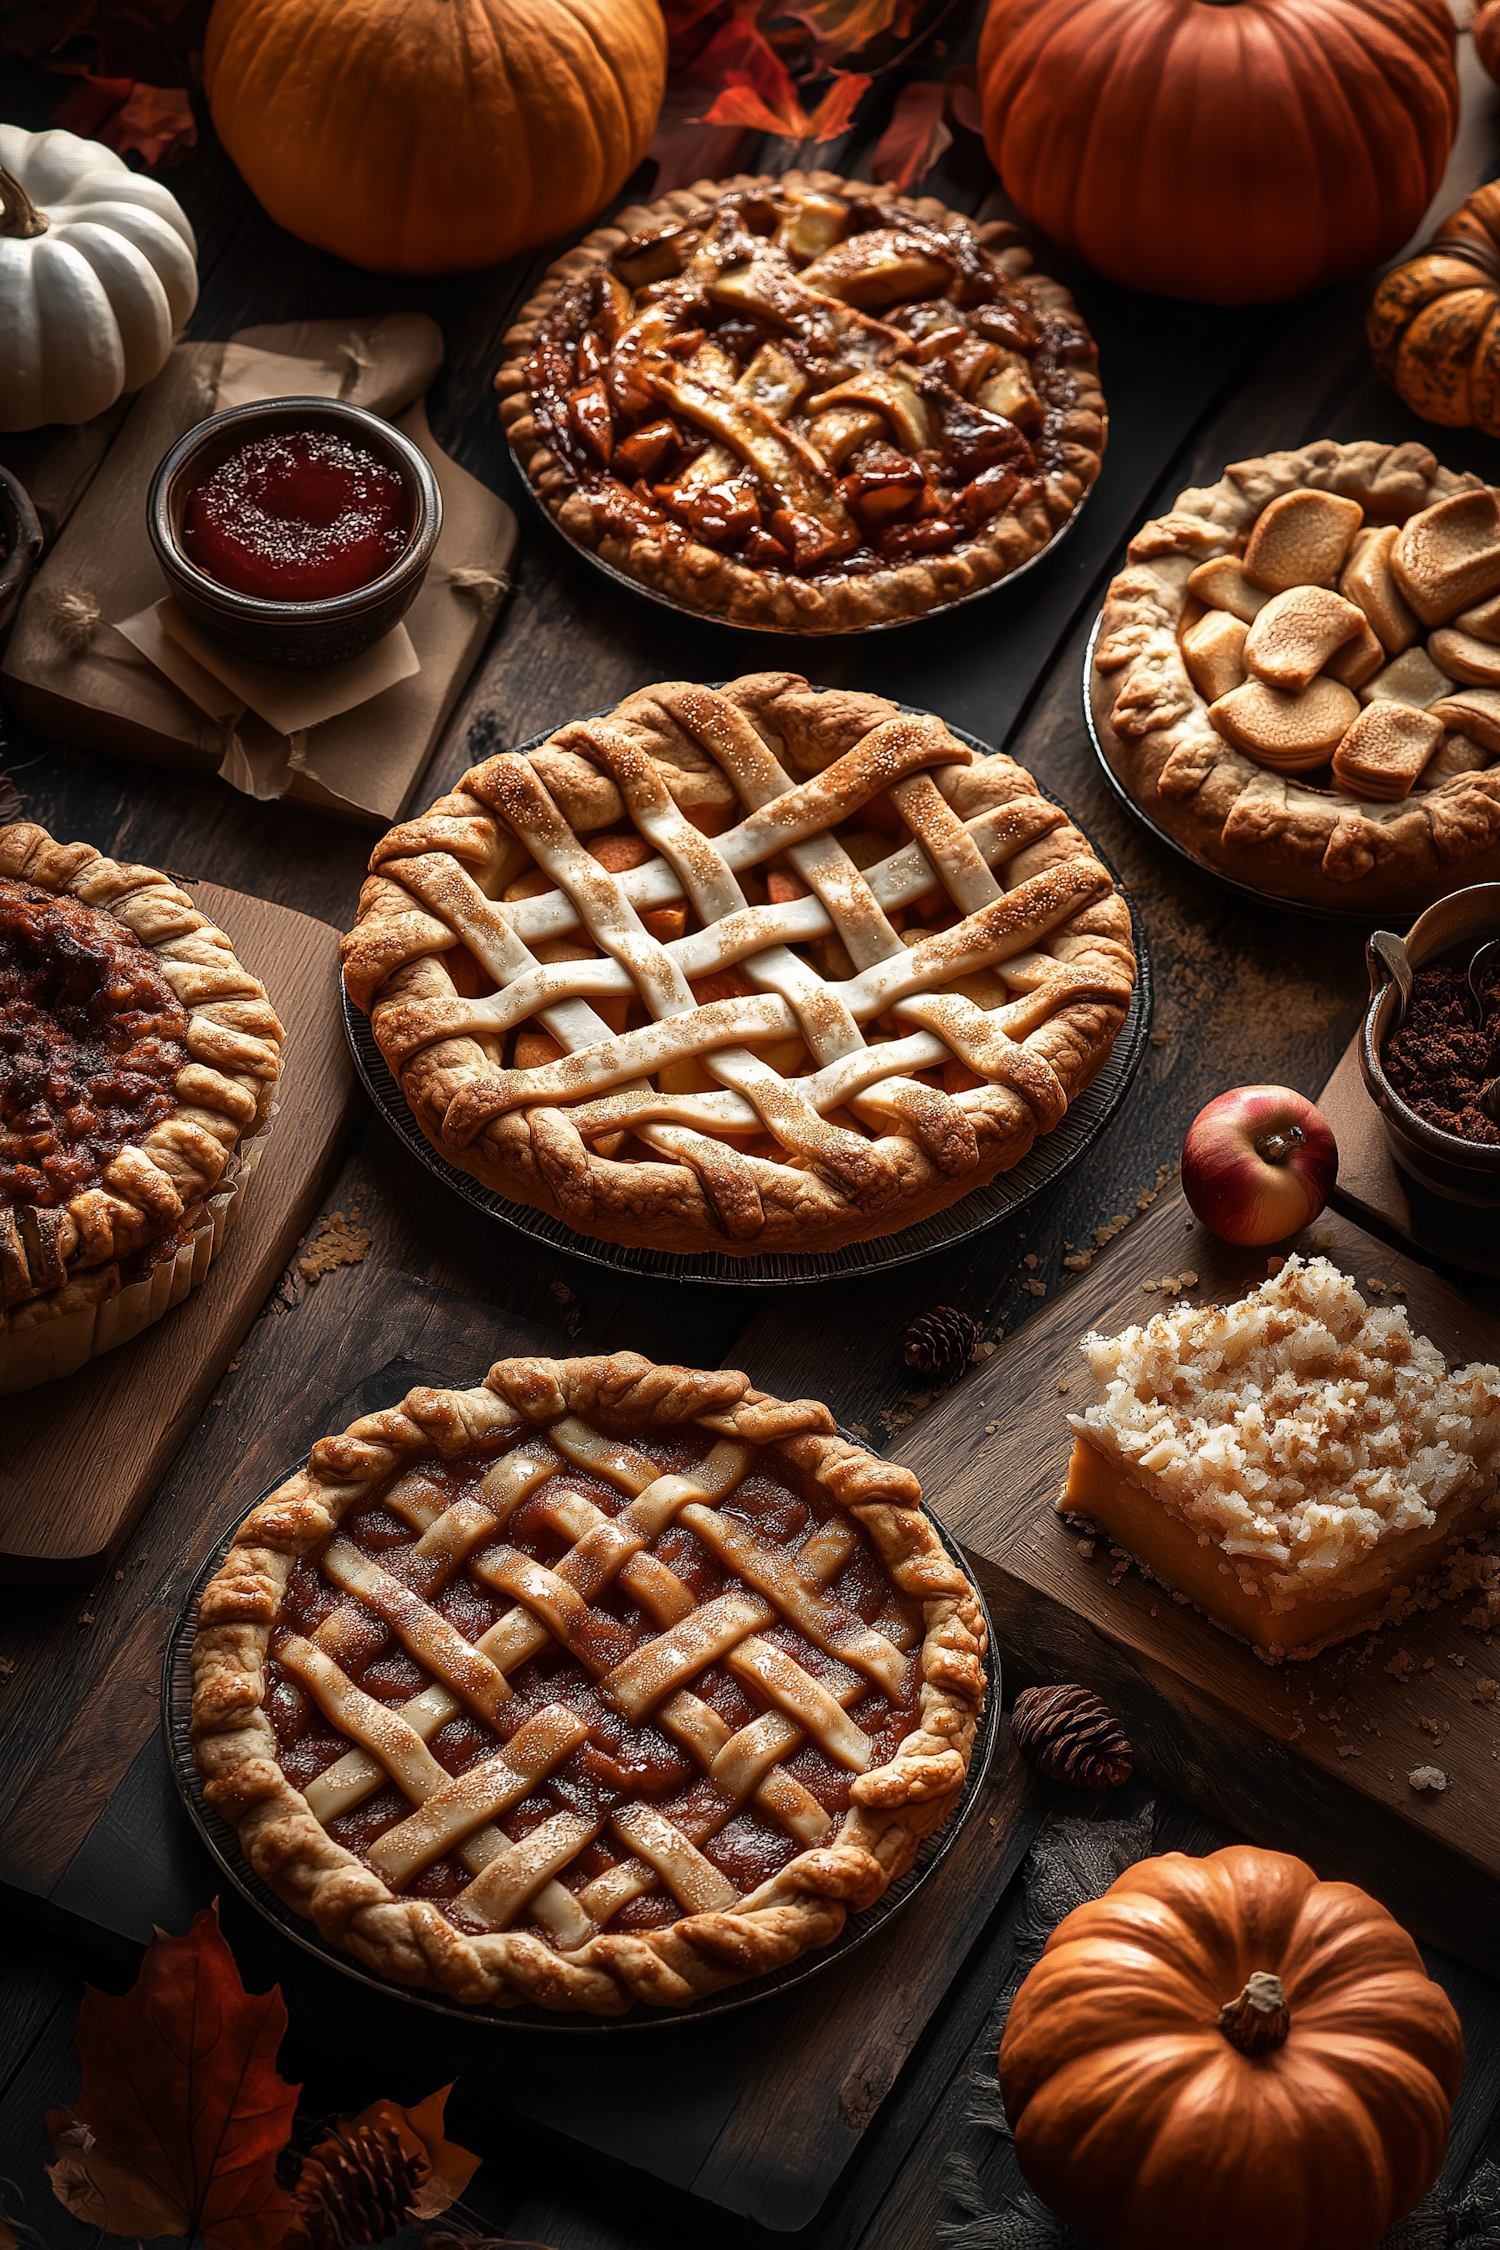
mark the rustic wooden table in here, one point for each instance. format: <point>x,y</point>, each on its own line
<point>1241,994</point>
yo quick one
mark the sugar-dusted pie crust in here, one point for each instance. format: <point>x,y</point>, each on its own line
<point>711,1083</point>
<point>84,1270</point>
<point>607,504</point>
<point>587,1411</point>
<point>1321,846</point>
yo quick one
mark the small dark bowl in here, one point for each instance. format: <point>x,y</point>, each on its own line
<point>1458,1170</point>
<point>20,544</point>
<point>292,633</point>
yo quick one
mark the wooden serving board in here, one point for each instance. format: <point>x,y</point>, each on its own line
<point>759,2111</point>
<point>1373,1188</point>
<point>80,1458</point>
<point>1308,1757</point>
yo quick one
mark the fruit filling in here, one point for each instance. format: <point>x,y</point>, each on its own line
<point>297,517</point>
<point>636,1739</point>
<point>92,1038</point>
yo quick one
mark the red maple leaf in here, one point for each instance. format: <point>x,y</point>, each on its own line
<point>182,2113</point>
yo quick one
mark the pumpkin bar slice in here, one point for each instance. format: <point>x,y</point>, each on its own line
<point>1291,1462</point>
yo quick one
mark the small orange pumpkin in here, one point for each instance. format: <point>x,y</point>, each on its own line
<point>1434,324</point>
<point>1227,2054</point>
<point>1235,153</point>
<point>1487,36</point>
<point>433,136</point>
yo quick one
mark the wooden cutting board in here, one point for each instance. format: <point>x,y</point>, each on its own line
<point>1308,1757</point>
<point>80,1458</point>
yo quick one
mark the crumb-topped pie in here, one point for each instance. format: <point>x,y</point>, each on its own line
<point>1297,677</point>
<point>601,1682</point>
<point>1293,1461</point>
<point>764,968</point>
<point>138,1061</point>
<point>806,403</point>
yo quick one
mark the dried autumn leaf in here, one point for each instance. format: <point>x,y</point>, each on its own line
<point>761,93</point>
<point>842,27</point>
<point>154,122</point>
<point>182,2113</point>
<point>964,105</point>
<point>150,40</point>
<point>915,137</point>
<point>421,2130</point>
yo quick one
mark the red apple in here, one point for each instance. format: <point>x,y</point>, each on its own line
<point>1258,1164</point>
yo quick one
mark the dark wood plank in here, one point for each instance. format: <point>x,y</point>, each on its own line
<point>80,1458</point>
<point>1308,1755</point>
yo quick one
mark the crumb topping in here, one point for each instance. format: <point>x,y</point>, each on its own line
<point>1298,1428</point>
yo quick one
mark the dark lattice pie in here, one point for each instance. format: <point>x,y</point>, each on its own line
<point>602,1682</point>
<point>804,403</point>
<point>748,970</point>
<point>138,1060</point>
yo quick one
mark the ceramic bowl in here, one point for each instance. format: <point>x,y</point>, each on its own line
<point>292,633</point>
<point>20,544</point>
<point>1459,1170</point>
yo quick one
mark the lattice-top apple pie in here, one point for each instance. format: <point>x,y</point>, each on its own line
<point>1298,675</point>
<point>806,403</point>
<point>601,1682</point>
<point>759,969</point>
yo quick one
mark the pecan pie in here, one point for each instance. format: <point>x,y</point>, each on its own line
<point>760,969</point>
<point>602,1682</point>
<point>805,403</point>
<point>137,1065</point>
<point>1297,677</point>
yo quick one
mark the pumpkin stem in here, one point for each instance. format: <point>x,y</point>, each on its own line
<point>1259,2019</point>
<point>19,216</point>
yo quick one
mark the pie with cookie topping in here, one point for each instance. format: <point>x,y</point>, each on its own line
<point>601,1682</point>
<point>138,1061</point>
<point>1297,676</point>
<point>804,403</point>
<point>759,968</point>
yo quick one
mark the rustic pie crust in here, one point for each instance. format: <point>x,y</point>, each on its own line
<point>804,404</point>
<point>755,969</point>
<point>1365,786</point>
<point>138,1061</point>
<point>602,1682</point>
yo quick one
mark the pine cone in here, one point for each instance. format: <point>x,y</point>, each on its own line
<point>1070,1736</point>
<point>940,1343</point>
<point>355,2191</point>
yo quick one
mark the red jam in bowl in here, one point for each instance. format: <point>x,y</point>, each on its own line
<point>297,518</point>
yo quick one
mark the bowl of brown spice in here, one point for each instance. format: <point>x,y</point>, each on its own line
<point>1429,1053</point>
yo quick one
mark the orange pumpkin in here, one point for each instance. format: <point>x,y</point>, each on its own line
<point>1227,2054</point>
<point>432,136</point>
<point>1434,325</point>
<point>1235,153</point>
<point>1487,36</point>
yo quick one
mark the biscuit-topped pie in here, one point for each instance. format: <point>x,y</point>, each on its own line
<point>1298,675</point>
<point>600,1682</point>
<point>138,1061</point>
<point>754,969</point>
<point>804,403</point>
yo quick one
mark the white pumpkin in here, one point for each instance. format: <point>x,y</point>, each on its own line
<point>98,271</point>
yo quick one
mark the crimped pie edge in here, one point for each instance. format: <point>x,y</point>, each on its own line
<point>664,1205</point>
<point>720,587</point>
<point>1328,848</point>
<point>409,1940</point>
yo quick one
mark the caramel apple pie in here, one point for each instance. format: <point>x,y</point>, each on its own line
<point>804,404</point>
<point>137,1066</point>
<point>602,1682</point>
<point>1297,677</point>
<point>765,968</point>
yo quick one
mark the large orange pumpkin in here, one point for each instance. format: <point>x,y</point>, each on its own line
<point>1233,151</point>
<point>432,136</point>
<point>1227,2054</point>
<point>1434,324</point>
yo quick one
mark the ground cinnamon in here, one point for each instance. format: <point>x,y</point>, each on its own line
<point>1444,1052</point>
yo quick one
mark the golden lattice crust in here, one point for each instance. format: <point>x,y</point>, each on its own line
<point>893,1807</point>
<point>1058,401</point>
<point>993,1025</point>
<point>59,1265</point>
<point>1325,846</point>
